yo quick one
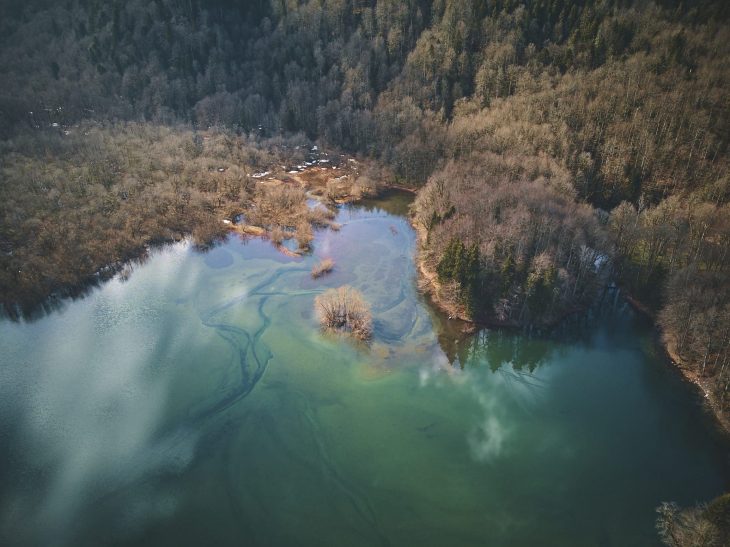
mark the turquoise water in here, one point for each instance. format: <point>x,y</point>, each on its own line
<point>198,403</point>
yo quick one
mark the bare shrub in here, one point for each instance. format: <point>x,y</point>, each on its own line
<point>321,216</point>
<point>278,205</point>
<point>367,186</point>
<point>338,190</point>
<point>322,268</point>
<point>304,235</point>
<point>277,235</point>
<point>344,309</point>
<point>357,192</point>
<point>207,230</point>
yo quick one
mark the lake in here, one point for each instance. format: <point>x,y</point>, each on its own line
<point>197,402</point>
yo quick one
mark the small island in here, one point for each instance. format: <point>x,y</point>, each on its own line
<point>344,309</point>
<point>323,268</point>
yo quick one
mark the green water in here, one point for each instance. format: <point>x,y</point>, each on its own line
<point>197,403</point>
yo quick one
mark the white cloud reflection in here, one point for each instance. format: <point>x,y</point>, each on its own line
<point>95,404</point>
<point>495,393</point>
<point>487,439</point>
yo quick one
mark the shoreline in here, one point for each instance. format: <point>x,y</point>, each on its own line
<point>666,344</point>
<point>709,401</point>
<point>430,286</point>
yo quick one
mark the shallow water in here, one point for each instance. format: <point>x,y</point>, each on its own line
<point>198,403</point>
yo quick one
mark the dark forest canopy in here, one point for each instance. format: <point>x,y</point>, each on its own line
<point>629,97</point>
<point>586,129</point>
<point>632,91</point>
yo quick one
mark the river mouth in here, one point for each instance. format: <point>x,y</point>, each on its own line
<point>198,402</point>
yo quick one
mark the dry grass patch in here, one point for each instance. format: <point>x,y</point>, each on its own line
<point>304,235</point>
<point>321,216</point>
<point>278,235</point>
<point>323,267</point>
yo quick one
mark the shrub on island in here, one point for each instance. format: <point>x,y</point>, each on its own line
<point>344,309</point>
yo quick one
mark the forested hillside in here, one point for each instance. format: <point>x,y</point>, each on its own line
<point>630,99</point>
<point>560,142</point>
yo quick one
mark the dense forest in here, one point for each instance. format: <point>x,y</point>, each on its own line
<point>559,144</point>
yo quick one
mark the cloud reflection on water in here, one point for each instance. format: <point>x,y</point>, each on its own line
<point>484,369</point>
<point>98,397</point>
<point>487,439</point>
